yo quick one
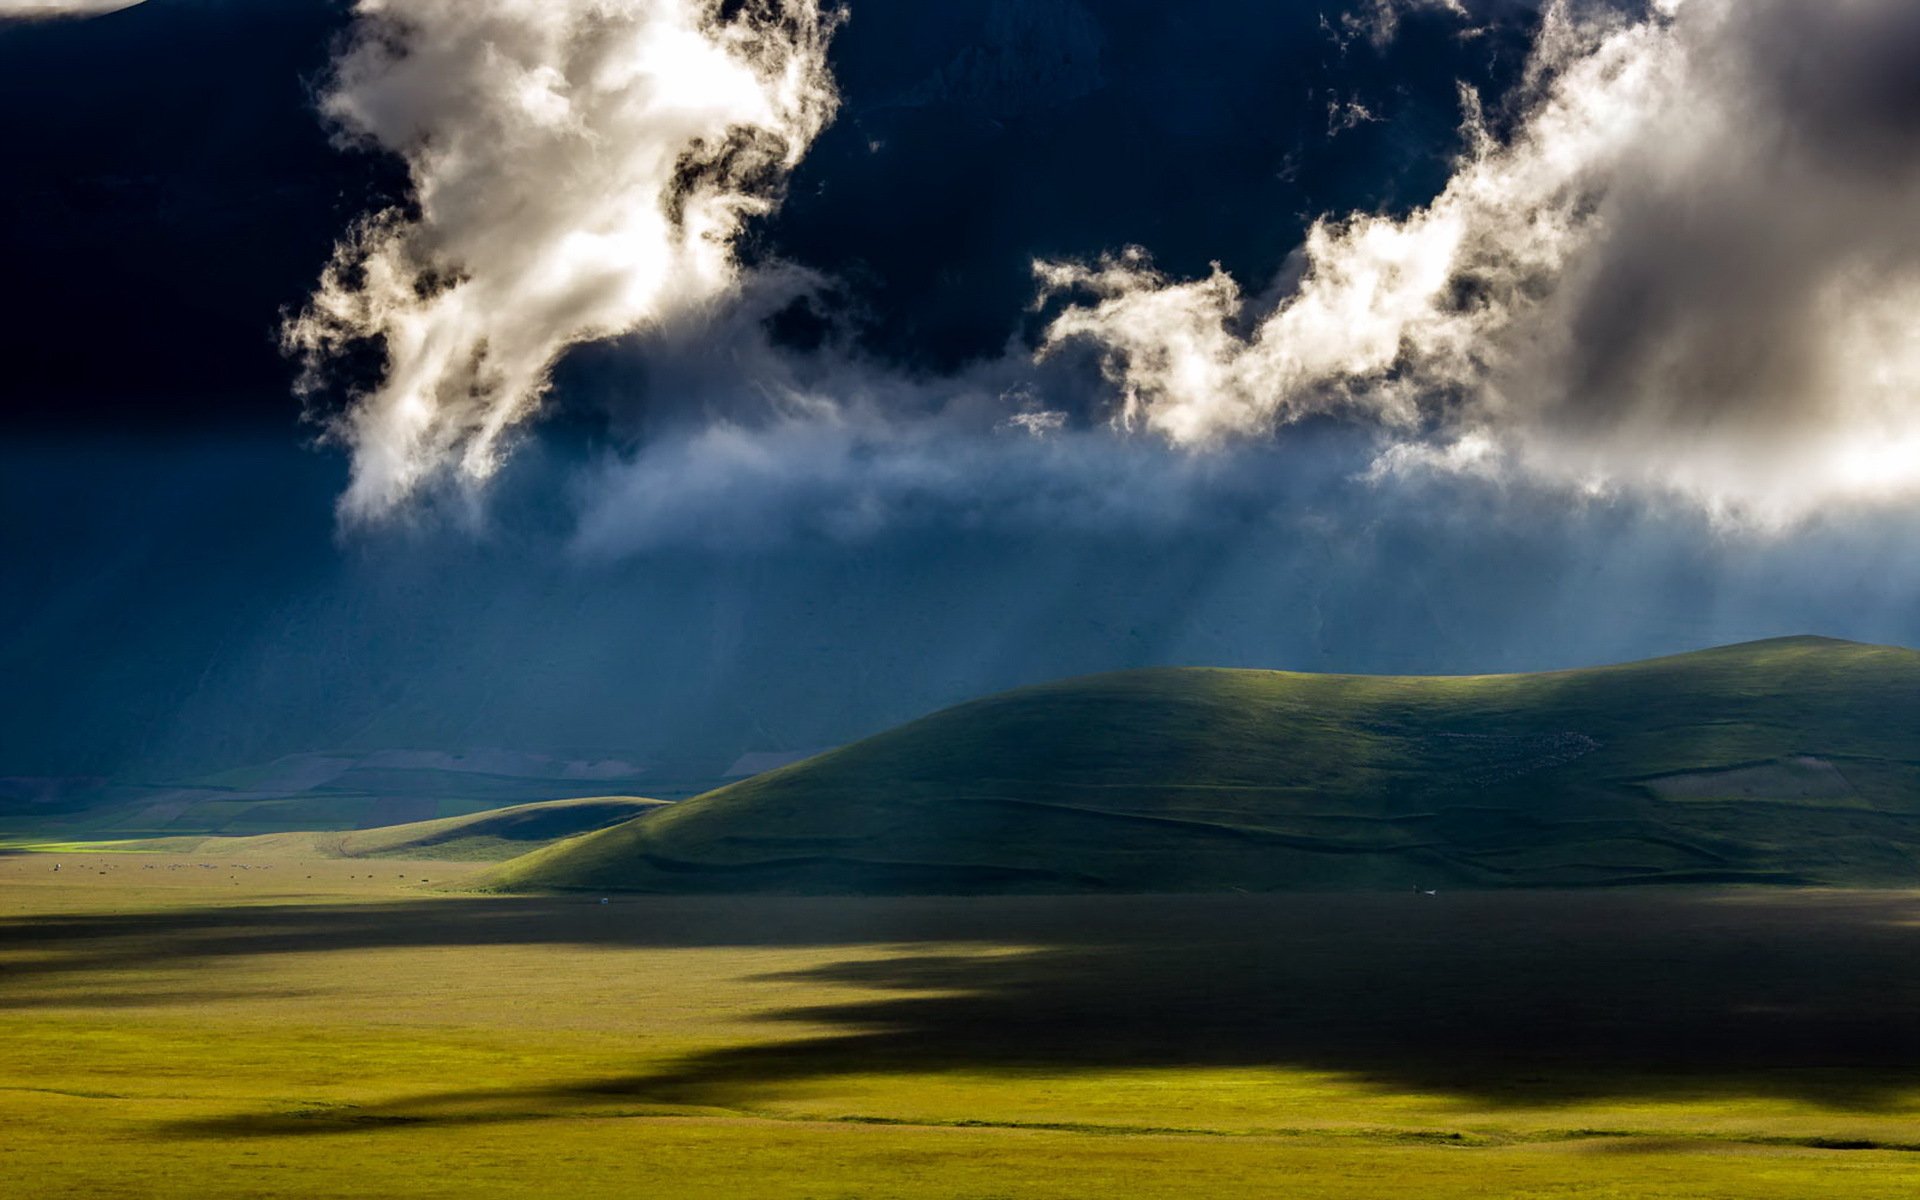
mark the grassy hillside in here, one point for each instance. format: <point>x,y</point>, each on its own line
<point>1788,761</point>
<point>500,833</point>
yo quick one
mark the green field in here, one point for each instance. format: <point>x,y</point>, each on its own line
<point>197,1027</point>
<point>1338,990</point>
<point>1788,762</point>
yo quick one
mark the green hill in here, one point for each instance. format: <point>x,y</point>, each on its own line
<point>1788,761</point>
<point>496,834</point>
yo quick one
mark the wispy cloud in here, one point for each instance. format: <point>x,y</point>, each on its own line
<point>1379,20</point>
<point>32,9</point>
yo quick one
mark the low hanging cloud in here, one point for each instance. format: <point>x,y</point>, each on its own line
<point>1683,259</point>
<point>800,480</point>
<point>580,169</point>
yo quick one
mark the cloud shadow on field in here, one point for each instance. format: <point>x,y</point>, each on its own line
<point>1518,998</point>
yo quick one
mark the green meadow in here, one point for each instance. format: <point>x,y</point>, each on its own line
<point>209,1026</point>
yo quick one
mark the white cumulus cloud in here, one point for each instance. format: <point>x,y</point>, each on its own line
<point>1687,262</point>
<point>580,169</point>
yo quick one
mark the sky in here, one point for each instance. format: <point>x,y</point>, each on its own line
<point>672,379</point>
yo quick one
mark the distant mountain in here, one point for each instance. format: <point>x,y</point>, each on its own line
<point>1785,761</point>
<point>338,790</point>
<point>479,837</point>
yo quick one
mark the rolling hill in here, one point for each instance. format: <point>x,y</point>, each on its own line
<point>1787,761</point>
<point>499,833</point>
<point>333,790</point>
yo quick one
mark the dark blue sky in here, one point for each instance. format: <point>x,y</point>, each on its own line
<point>180,597</point>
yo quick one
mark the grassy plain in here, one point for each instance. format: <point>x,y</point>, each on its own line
<point>190,1026</point>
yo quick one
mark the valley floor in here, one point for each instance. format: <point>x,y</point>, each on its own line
<point>187,1026</point>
